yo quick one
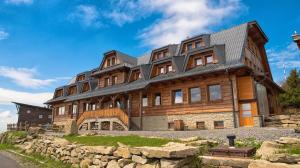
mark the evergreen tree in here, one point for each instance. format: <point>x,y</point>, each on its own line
<point>291,97</point>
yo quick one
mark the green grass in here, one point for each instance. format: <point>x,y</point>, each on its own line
<point>248,142</point>
<point>47,162</point>
<point>130,140</point>
<point>6,146</point>
<point>291,149</point>
<point>18,134</point>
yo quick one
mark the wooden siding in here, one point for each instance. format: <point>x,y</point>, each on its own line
<point>192,64</point>
<point>156,68</point>
<point>167,107</point>
<point>32,116</point>
<point>245,88</point>
<point>121,78</point>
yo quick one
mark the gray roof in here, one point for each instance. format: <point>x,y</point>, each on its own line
<point>228,45</point>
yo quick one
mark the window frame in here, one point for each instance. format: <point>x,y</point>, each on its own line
<point>156,95</point>
<point>174,96</point>
<point>208,92</point>
<point>40,116</point>
<point>168,68</point>
<point>161,68</point>
<point>106,81</point>
<point>195,61</point>
<point>208,56</point>
<point>217,126</point>
<point>190,95</point>
<point>187,46</point>
<point>144,100</point>
<point>114,80</point>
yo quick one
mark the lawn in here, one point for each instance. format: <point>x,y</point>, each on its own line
<point>130,140</point>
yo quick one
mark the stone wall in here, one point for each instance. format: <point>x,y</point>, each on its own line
<point>172,155</point>
<point>286,121</point>
<point>161,122</point>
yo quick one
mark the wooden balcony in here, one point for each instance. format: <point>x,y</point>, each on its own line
<point>104,113</point>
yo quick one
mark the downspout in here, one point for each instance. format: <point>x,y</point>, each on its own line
<point>233,102</point>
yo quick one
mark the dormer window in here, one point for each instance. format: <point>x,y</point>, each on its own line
<point>72,90</point>
<point>106,81</point>
<point>209,59</point>
<point>113,61</point>
<point>199,44</point>
<point>85,87</point>
<point>108,62</point>
<point>160,54</point>
<point>169,68</point>
<point>81,77</point>
<point>198,61</point>
<point>59,93</point>
<point>189,46</point>
<point>161,70</point>
<point>114,80</point>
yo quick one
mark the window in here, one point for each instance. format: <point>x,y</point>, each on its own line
<point>157,100</point>
<point>139,75</point>
<point>93,106</point>
<point>177,96</point>
<point>195,94</point>
<point>40,116</point>
<point>171,125</point>
<point>87,107</point>
<point>28,111</point>
<point>214,92</point>
<point>199,44</point>
<point>209,59</point>
<point>169,68</point>
<point>106,81</point>
<point>161,70</point>
<point>189,46</point>
<point>61,110</point>
<point>160,55</point>
<point>74,110</point>
<point>198,61</point>
<point>200,125</point>
<point>113,61</point>
<point>145,101</point>
<point>114,80</point>
<point>108,62</point>
<point>219,124</point>
<point>246,110</point>
<point>50,116</point>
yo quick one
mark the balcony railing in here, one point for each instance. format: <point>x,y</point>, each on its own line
<point>104,113</point>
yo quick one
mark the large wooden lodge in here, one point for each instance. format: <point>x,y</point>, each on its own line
<point>210,81</point>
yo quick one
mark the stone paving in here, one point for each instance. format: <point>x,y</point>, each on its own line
<point>265,133</point>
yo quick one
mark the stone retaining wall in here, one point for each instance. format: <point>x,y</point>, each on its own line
<point>285,121</point>
<point>172,155</point>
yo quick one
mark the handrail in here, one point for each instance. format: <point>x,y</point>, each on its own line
<point>104,113</point>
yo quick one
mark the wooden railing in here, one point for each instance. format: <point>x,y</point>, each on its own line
<point>104,113</point>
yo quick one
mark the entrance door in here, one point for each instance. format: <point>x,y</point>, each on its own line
<point>246,115</point>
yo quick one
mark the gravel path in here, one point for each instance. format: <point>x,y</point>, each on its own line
<point>220,134</point>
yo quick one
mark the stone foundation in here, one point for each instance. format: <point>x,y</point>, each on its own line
<point>190,120</point>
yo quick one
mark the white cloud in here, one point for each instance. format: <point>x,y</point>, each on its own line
<point>179,18</point>
<point>25,77</point>
<point>3,35</point>
<point>87,15</point>
<point>7,117</point>
<point>7,96</point>
<point>288,55</point>
<point>17,2</point>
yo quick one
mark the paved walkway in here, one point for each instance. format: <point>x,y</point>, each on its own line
<point>218,134</point>
<point>7,162</point>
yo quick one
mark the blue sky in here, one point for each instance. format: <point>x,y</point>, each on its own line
<point>44,43</point>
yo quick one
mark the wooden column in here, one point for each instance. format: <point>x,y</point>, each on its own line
<point>141,110</point>
<point>129,107</point>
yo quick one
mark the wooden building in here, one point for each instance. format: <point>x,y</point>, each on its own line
<point>30,115</point>
<point>210,81</point>
<point>296,38</point>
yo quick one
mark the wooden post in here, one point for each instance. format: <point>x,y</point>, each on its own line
<point>141,110</point>
<point>129,110</point>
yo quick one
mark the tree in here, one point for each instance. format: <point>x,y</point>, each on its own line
<point>291,97</point>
